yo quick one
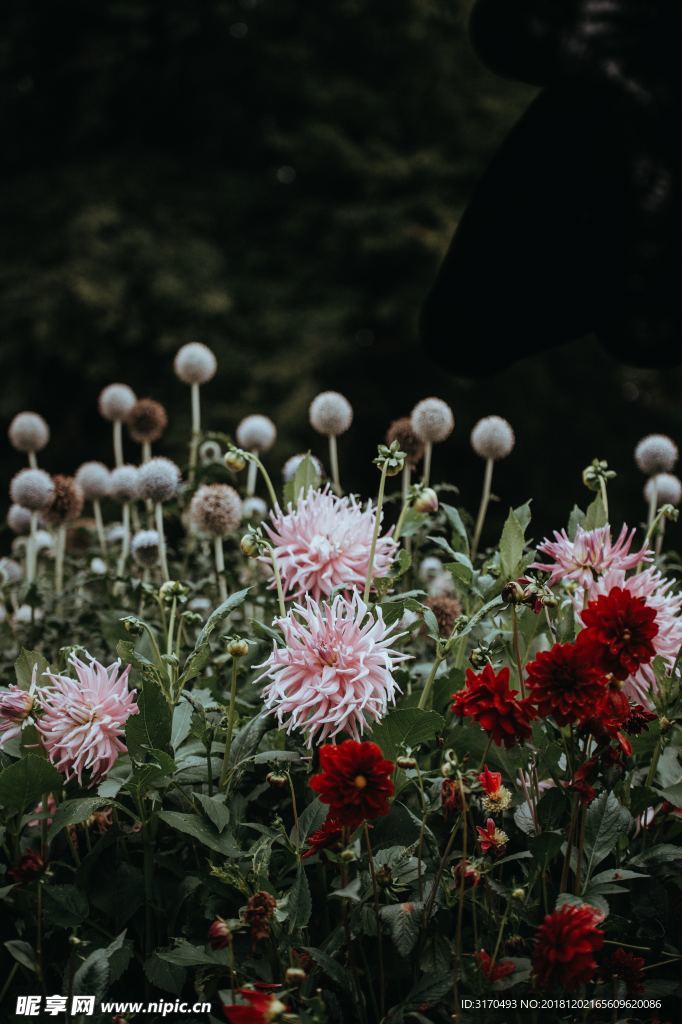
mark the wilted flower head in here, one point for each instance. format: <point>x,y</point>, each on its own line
<point>16,707</point>
<point>124,483</point>
<point>254,508</point>
<point>67,503</point>
<point>591,554</point>
<point>432,420</point>
<point>19,520</point>
<point>83,719</point>
<point>323,544</point>
<point>656,453</point>
<point>664,489</point>
<point>195,363</point>
<point>146,421</point>
<point>256,433</point>
<point>116,401</point>
<point>159,479</point>
<point>144,548</point>
<point>32,489</point>
<point>291,466</point>
<point>401,431</point>
<point>493,438</point>
<point>28,432</point>
<point>94,478</point>
<point>330,413</point>
<point>216,509</point>
<point>334,673</point>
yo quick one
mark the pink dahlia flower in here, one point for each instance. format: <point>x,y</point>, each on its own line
<point>589,556</point>
<point>16,706</point>
<point>82,719</point>
<point>323,545</point>
<point>334,673</point>
<point>657,592</point>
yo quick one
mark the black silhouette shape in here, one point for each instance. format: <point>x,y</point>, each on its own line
<point>575,227</point>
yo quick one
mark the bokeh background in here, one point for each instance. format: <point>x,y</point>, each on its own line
<point>280,180</point>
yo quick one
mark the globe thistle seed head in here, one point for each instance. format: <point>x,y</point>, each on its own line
<point>124,484</point>
<point>33,489</point>
<point>159,479</point>
<point>67,503</point>
<point>254,508</point>
<point>210,453</point>
<point>144,548</point>
<point>429,568</point>
<point>19,520</point>
<point>94,478</point>
<point>115,402</point>
<point>215,509</point>
<point>666,487</point>
<point>98,566</point>
<point>446,611</point>
<point>291,466</point>
<point>44,541</point>
<point>493,438</point>
<point>432,420</point>
<point>10,571</point>
<point>146,421</point>
<point>256,433</point>
<point>28,432</point>
<point>441,585</point>
<point>401,431</point>
<point>330,413</point>
<point>195,363</point>
<point>656,453</point>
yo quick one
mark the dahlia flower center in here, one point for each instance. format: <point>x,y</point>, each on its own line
<point>324,547</point>
<point>360,781</point>
<point>327,655</point>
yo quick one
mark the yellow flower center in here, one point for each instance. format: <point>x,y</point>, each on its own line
<point>360,781</point>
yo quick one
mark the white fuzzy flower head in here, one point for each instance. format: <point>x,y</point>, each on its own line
<point>10,571</point>
<point>330,413</point>
<point>94,479</point>
<point>19,520</point>
<point>216,510</point>
<point>33,489</point>
<point>441,585</point>
<point>254,508</point>
<point>28,432</point>
<point>291,466</point>
<point>124,483</point>
<point>664,489</point>
<point>432,420</point>
<point>195,363</point>
<point>656,453</point>
<point>210,453</point>
<point>98,566</point>
<point>44,540</point>
<point>25,615</point>
<point>493,438</point>
<point>115,402</point>
<point>256,433</point>
<point>145,548</point>
<point>429,568</point>
<point>159,479</point>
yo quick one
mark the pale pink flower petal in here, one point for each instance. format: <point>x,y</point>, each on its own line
<point>589,556</point>
<point>16,706</point>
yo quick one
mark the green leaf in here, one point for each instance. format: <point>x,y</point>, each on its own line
<point>215,808</point>
<point>24,665</point>
<point>166,976</point>
<point>23,783</point>
<point>182,723</point>
<point>65,905</point>
<point>607,821</point>
<point>310,819</point>
<point>73,812</point>
<point>300,901</point>
<point>92,977</point>
<point>22,952</point>
<point>305,477</point>
<point>202,648</point>
<point>512,545</point>
<point>458,528</point>
<point>331,968</point>
<point>249,736</point>
<point>595,515</point>
<point>673,794</point>
<point>404,727</point>
<point>151,728</point>
<point>193,825</point>
<point>545,847</point>
<point>404,921</point>
<point>184,954</point>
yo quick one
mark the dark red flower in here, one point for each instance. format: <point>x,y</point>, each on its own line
<point>261,1008</point>
<point>491,837</point>
<point>471,874</point>
<point>619,631</point>
<point>638,720</point>
<point>490,781</point>
<point>565,946</point>
<point>565,684</point>
<point>219,934</point>
<point>493,971</point>
<point>450,797</point>
<point>30,867</point>
<point>328,834</point>
<point>489,700</point>
<point>627,968</point>
<point>355,780</point>
<point>259,912</point>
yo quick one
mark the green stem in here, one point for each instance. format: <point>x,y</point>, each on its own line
<point>334,464</point>
<point>428,448</point>
<point>230,725</point>
<point>220,567</point>
<point>425,699</point>
<point>99,523</point>
<point>375,534</point>
<point>517,648</point>
<point>163,555</point>
<point>266,478</point>
<point>483,507</point>
<point>118,442</point>
<point>380,944</point>
<point>196,432</point>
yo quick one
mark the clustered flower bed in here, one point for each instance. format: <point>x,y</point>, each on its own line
<point>346,763</point>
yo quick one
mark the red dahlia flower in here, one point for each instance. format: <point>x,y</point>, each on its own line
<point>619,633</point>
<point>489,700</point>
<point>219,934</point>
<point>30,867</point>
<point>491,837</point>
<point>565,683</point>
<point>355,780</point>
<point>262,1008</point>
<point>638,720</point>
<point>491,971</point>
<point>260,909</point>
<point>626,968</point>
<point>491,781</point>
<point>328,834</point>
<point>565,946</point>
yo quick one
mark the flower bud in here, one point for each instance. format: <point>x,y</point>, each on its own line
<point>219,934</point>
<point>234,460</point>
<point>249,545</point>
<point>427,501</point>
<point>518,894</point>
<point>347,855</point>
<point>172,589</point>
<point>406,762</point>
<point>238,648</point>
<point>132,625</point>
<point>513,593</point>
<point>295,976</point>
<point>277,779</point>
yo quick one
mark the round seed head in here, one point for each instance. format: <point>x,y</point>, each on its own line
<point>44,541</point>
<point>33,489</point>
<point>146,421</point>
<point>215,509</point>
<point>10,571</point>
<point>28,432</point>
<point>402,432</point>
<point>19,520</point>
<point>256,433</point>
<point>159,479</point>
<point>195,363</point>
<point>429,568</point>
<point>254,508</point>
<point>144,548</point>
<point>115,402</point>
<point>291,466</point>
<point>94,478</point>
<point>656,453</point>
<point>493,438</point>
<point>124,483</point>
<point>67,503</point>
<point>446,611</point>
<point>666,487</point>
<point>330,413</point>
<point>441,585</point>
<point>432,420</point>
<point>210,453</point>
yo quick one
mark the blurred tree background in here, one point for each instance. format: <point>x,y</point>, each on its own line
<point>279,180</point>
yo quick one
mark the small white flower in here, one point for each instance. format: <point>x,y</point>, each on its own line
<point>32,489</point>
<point>159,479</point>
<point>195,363</point>
<point>94,479</point>
<point>656,453</point>
<point>493,438</point>
<point>666,487</point>
<point>256,433</point>
<point>28,432</point>
<point>116,401</point>
<point>98,566</point>
<point>330,413</point>
<point>432,420</point>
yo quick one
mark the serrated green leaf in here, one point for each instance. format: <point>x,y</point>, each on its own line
<point>216,809</point>
<point>24,665</point>
<point>151,728</point>
<point>92,977</point>
<point>512,545</point>
<point>193,825</point>
<point>197,659</point>
<point>595,515</point>
<point>405,727</point>
<point>331,968</point>
<point>607,821</point>
<point>404,922</point>
<point>23,783</point>
<point>300,901</point>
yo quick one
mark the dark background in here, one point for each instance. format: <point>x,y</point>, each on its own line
<point>279,180</point>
